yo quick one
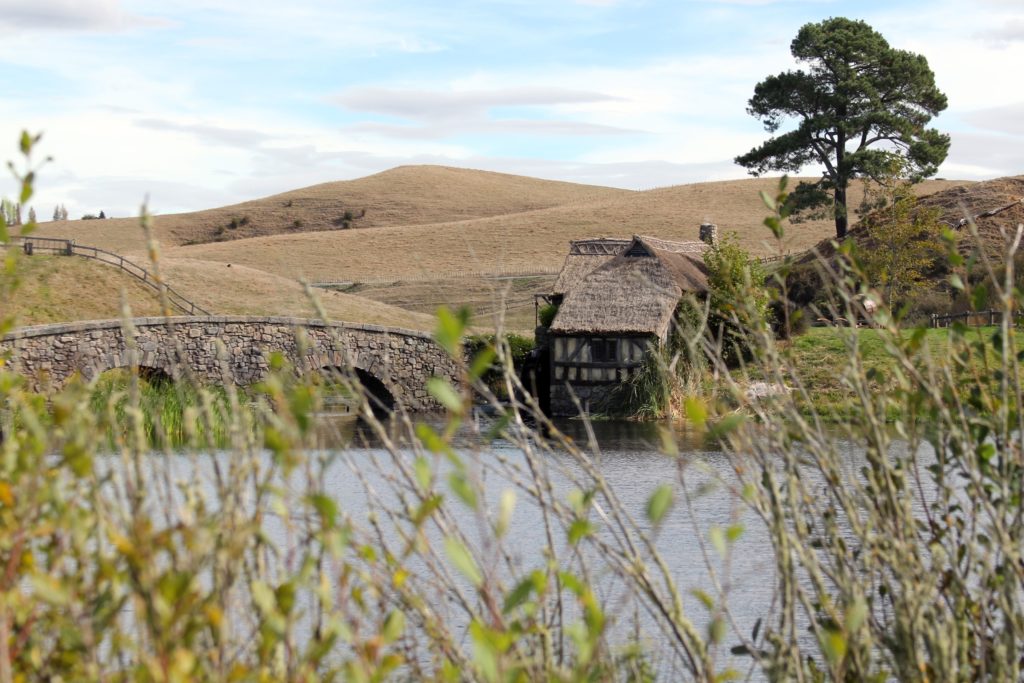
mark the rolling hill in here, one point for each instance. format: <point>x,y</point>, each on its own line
<point>403,196</point>
<point>526,241</point>
<point>437,229</point>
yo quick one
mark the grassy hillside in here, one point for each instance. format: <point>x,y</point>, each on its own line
<point>536,240</point>
<point>407,195</point>
<point>237,290</point>
<point>423,225</point>
<point>58,288</point>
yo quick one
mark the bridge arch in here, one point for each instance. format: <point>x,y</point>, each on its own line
<point>394,364</point>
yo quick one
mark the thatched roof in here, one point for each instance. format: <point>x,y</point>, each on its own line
<point>634,292</point>
<point>584,256</point>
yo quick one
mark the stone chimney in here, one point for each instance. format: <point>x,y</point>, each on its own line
<point>709,234</point>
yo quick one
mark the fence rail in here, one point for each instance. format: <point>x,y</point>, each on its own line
<point>445,275</point>
<point>974,318</point>
<point>66,247</point>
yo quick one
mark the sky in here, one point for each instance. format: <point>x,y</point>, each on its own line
<point>194,104</point>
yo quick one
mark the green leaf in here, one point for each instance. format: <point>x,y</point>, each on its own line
<point>445,394</point>
<point>263,597</point>
<point>450,327</point>
<point>956,282</point>
<point>733,533</point>
<point>579,529</point>
<point>424,473</point>
<point>49,589</point>
<point>519,595</point>
<point>325,507</point>
<point>768,200</point>
<point>705,599</point>
<point>696,411</point>
<point>716,630</point>
<point>482,362</point>
<point>506,506</point>
<point>431,440</point>
<point>462,488</point>
<point>659,503</point>
<point>834,645</point>
<point>717,539</point>
<point>461,558</point>
<point>856,614</point>
<point>394,626</point>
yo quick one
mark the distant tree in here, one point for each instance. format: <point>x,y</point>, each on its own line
<point>11,212</point>
<point>89,217</point>
<point>56,212</point>
<point>859,103</point>
<point>32,215</point>
<point>102,215</point>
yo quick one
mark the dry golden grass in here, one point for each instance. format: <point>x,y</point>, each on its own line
<point>407,195</point>
<point>425,223</point>
<point>507,300</point>
<point>237,290</point>
<point>60,288</point>
<point>536,240</point>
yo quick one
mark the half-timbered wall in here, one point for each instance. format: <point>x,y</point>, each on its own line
<point>596,359</point>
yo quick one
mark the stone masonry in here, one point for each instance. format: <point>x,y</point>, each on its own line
<point>220,349</point>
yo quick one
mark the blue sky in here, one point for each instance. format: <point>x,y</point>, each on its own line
<point>198,104</point>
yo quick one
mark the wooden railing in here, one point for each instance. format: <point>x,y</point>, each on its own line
<point>973,318</point>
<point>497,274</point>
<point>65,247</point>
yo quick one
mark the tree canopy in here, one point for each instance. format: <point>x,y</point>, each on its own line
<point>859,103</point>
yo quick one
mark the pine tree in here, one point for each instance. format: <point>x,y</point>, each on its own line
<point>32,215</point>
<point>859,103</point>
<point>56,212</point>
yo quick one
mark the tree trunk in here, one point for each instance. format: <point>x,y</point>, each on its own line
<point>842,216</point>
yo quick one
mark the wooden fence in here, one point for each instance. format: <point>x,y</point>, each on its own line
<point>64,247</point>
<point>500,274</point>
<point>973,318</point>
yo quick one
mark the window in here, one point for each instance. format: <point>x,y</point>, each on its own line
<point>604,350</point>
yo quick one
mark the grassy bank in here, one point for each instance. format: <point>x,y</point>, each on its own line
<point>821,361</point>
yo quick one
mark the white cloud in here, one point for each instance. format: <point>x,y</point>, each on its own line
<point>441,104</point>
<point>93,15</point>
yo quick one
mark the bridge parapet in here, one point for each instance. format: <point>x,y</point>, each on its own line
<point>231,348</point>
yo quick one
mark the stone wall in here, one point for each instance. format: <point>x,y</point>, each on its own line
<point>219,349</point>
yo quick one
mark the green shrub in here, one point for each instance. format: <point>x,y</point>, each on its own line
<point>546,314</point>
<point>738,298</point>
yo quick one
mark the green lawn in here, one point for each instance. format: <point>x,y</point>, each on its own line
<point>821,358</point>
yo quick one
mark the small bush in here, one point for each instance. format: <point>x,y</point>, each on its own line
<point>547,314</point>
<point>347,216</point>
<point>519,347</point>
<point>298,223</point>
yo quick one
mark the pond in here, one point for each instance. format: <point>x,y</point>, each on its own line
<point>365,479</point>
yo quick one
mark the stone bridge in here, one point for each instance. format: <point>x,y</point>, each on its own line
<point>394,364</point>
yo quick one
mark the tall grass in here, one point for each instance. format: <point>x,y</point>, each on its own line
<point>906,565</point>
